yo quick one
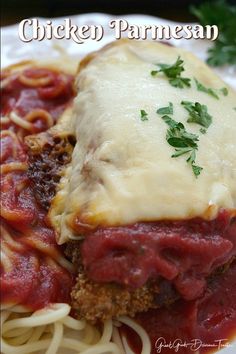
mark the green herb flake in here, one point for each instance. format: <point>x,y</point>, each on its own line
<point>185,143</point>
<point>171,122</point>
<point>196,170</point>
<point>203,130</point>
<point>197,113</point>
<point>224,91</point>
<point>182,151</point>
<point>166,110</point>
<point>154,72</point>
<point>143,115</point>
<point>203,88</point>
<point>180,82</point>
<point>173,72</point>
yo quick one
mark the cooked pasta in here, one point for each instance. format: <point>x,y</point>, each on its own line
<point>52,330</point>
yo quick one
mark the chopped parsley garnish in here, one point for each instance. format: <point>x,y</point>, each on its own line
<point>166,110</point>
<point>203,88</point>
<point>223,15</point>
<point>224,91</point>
<point>185,143</point>
<point>143,115</point>
<point>202,130</point>
<point>196,170</point>
<point>154,72</point>
<point>180,82</point>
<point>211,91</point>
<point>197,113</point>
<point>173,72</point>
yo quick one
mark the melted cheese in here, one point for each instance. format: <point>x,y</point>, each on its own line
<point>121,170</point>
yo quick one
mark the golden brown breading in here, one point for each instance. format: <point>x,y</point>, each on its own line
<point>100,301</point>
<point>94,301</point>
<point>97,302</point>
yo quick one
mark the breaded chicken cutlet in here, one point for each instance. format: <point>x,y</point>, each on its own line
<point>142,223</point>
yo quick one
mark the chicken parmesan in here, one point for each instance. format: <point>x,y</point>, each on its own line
<point>147,205</point>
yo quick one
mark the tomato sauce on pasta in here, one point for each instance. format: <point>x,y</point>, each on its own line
<point>34,271</point>
<point>34,99</point>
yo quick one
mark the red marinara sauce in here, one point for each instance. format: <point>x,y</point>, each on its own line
<point>186,327</point>
<point>35,89</point>
<point>33,272</point>
<point>184,253</point>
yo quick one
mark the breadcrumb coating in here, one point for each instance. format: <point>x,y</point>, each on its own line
<point>101,301</point>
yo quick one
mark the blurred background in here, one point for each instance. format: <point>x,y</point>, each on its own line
<point>14,11</point>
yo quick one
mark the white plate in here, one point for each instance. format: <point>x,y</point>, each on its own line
<point>14,50</point>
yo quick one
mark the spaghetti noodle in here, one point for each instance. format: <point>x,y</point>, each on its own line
<point>53,330</point>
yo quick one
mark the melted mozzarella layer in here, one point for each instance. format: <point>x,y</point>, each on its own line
<point>121,170</point>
